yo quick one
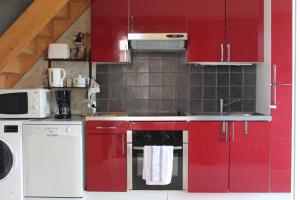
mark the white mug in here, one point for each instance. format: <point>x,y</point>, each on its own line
<point>56,77</point>
<point>79,81</point>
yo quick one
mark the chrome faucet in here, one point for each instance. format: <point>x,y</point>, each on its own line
<point>222,105</point>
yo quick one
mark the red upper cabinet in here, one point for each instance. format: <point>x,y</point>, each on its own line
<point>106,156</point>
<point>157,16</point>
<point>225,31</point>
<point>206,30</point>
<point>109,37</point>
<point>245,30</point>
<point>250,157</point>
<point>208,158</point>
<point>282,39</point>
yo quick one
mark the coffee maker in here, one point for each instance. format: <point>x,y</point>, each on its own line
<point>63,100</point>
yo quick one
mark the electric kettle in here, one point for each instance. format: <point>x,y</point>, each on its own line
<point>56,77</point>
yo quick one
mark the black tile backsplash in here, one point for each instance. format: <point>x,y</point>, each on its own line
<point>164,82</point>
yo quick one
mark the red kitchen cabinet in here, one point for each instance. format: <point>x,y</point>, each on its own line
<point>109,31</point>
<point>225,31</point>
<point>206,31</point>
<point>106,156</point>
<point>281,141</point>
<point>157,16</point>
<point>250,157</point>
<point>245,30</point>
<point>240,163</point>
<point>208,158</point>
<point>282,39</point>
<point>281,127</point>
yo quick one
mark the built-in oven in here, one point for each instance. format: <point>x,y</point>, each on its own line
<point>137,139</point>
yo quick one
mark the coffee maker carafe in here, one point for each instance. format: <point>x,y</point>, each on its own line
<point>63,100</point>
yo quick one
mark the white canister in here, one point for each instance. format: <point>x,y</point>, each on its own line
<point>56,77</point>
<point>79,81</point>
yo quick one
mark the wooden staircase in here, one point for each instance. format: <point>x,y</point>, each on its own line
<point>24,43</point>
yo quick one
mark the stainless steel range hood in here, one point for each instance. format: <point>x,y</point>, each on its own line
<point>157,41</point>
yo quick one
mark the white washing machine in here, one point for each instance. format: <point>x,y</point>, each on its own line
<point>53,159</point>
<point>11,178</point>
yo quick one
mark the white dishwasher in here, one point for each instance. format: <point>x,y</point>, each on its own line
<point>53,159</point>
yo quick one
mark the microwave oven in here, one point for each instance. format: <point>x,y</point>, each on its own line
<point>24,103</point>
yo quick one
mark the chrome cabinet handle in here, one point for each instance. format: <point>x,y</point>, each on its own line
<point>246,128</point>
<point>123,150</point>
<point>274,86</point>
<point>233,132</point>
<point>106,127</point>
<point>226,131</point>
<point>131,23</point>
<point>222,52</point>
<point>223,127</point>
<point>228,52</point>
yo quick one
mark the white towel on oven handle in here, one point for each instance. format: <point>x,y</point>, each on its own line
<point>166,164</point>
<point>147,163</point>
<point>158,165</point>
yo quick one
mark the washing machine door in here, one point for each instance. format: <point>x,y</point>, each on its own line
<point>6,160</point>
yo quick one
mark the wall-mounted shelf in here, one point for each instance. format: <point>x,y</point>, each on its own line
<point>65,88</point>
<point>87,60</point>
<point>67,60</point>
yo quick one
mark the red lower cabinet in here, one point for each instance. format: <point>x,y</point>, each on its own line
<point>239,162</point>
<point>106,156</point>
<point>281,138</point>
<point>208,158</point>
<point>250,157</point>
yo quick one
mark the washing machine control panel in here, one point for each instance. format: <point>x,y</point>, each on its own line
<point>11,128</point>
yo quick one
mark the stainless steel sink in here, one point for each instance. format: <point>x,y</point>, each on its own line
<point>240,114</point>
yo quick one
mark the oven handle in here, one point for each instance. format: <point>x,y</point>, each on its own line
<point>142,148</point>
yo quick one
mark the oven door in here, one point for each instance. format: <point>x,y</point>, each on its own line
<point>137,171</point>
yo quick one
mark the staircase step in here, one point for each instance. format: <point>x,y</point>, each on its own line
<point>42,43</point>
<point>27,61</point>
<point>47,31</point>
<point>63,13</point>
<point>12,79</point>
<point>14,67</point>
<point>78,7</point>
<point>59,26</point>
<point>2,81</point>
<point>30,48</point>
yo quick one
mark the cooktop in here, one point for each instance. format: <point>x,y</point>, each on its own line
<point>150,114</point>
